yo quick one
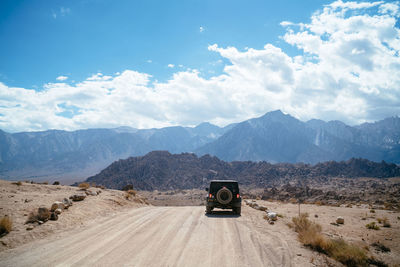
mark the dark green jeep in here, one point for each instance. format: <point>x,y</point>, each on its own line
<point>224,194</point>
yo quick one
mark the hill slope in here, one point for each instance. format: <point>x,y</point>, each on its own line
<point>163,171</point>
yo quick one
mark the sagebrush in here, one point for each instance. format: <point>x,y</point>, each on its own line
<point>5,225</point>
<point>310,235</point>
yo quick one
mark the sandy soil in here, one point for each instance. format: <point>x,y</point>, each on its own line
<point>18,201</point>
<point>108,230</point>
<point>353,230</point>
<point>167,236</point>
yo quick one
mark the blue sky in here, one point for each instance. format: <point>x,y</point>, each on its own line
<point>81,64</point>
<point>41,40</point>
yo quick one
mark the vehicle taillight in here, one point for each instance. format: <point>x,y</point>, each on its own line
<point>237,196</point>
<point>210,195</point>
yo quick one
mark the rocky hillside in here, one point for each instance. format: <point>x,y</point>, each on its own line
<point>163,171</point>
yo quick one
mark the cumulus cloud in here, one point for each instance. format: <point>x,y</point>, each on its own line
<point>201,29</point>
<point>61,78</point>
<point>348,69</point>
<point>171,66</point>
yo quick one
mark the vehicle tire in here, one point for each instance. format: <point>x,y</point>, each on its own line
<point>238,210</point>
<point>208,210</point>
<point>224,196</point>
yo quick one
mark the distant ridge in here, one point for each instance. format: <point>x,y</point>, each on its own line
<point>164,171</point>
<point>273,137</point>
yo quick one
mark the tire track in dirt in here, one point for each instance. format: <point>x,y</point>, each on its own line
<point>158,236</point>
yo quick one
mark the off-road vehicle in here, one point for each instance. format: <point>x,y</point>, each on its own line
<point>224,194</point>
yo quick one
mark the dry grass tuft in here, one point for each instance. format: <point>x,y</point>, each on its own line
<point>132,192</point>
<point>373,226</point>
<point>310,235</point>
<point>384,221</point>
<point>84,185</point>
<point>5,225</point>
<point>380,247</point>
<point>17,183</point>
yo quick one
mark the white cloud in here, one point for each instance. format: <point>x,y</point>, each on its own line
<point>149,61</point>
<point>201,29</point>
<point>348,69</point>
<point>61,78</point>
<point>63,11</point>
<point>171,66</point>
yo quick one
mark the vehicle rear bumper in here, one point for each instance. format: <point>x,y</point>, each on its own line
<point>215,204</point>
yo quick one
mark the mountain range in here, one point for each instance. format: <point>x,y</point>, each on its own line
<point>274,137</point>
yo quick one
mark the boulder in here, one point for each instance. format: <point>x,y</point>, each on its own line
<point>67,203</point>
<point>57,205</point>
<point>340,220</point>
<point>77,197</point>
<point>91,193</point>
<point>58,211</point>
<point>53,216</point>
<point>272,216</point>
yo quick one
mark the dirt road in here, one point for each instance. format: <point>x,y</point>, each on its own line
<point>162,236</point>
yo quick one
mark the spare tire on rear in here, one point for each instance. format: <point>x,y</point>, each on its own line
<point>224,196</point>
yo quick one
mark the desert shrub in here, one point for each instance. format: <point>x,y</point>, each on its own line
<point>56,183</point>
<point>17,183</point>
<point>309,234</point>
<point>42,214</point>
<point>279,215</point>
<point>84,185</point>
<point>5,225</point>
<point>127,187</point>
<point>376,262</point>
<point>373,226</point>
<point>345,253</point>
<point>372,210</point>
<point>131,192</point>
<point>45,182</point>
<point>380,247</point>
<point>385,222</point>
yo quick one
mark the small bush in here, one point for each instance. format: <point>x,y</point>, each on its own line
<point>310,235</point>
<point>372,210</point>
<point>56,183</point>
<point>17,183</point>
<point>132,192</point>
<point>373,226</point>
<point>127,187</point>
<point>347,254</point>
<point>5,225</point>
<point>84,185</point>
<point>279,215</point>
<point>380,247</point>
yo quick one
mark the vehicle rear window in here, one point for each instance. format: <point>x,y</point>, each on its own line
<point>215,186</point>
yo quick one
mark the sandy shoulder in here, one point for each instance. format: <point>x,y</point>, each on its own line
<point>18,201</point>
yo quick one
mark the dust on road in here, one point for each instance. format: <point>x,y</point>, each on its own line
<point>162,236</point>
